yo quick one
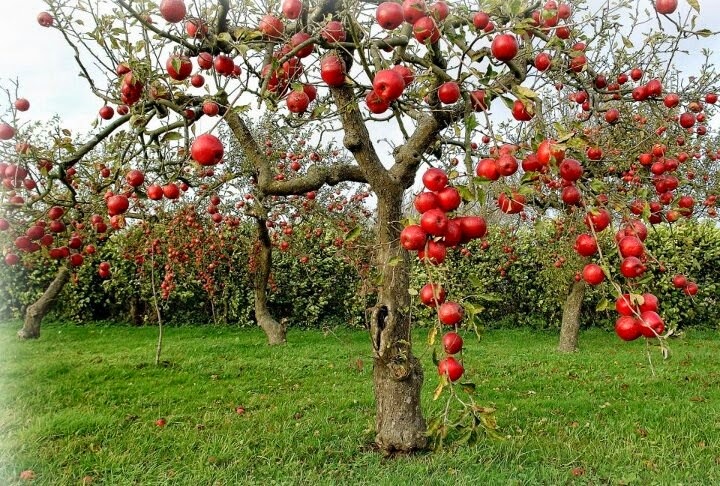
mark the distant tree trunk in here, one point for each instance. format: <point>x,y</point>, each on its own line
<point>276,332</point>
<point>397,374</point>
<point>36,311</point>
<point>137,311</point>
<point>571,318</point>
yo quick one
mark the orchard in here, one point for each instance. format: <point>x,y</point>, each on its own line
<point>396,140</point>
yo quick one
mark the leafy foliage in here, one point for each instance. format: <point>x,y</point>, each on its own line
<point>513,281</point>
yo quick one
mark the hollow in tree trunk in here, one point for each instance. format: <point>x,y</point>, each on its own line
<point>397,374</point>
<point>38,310</point>
<point>276,332</point>
<point>571,318</point>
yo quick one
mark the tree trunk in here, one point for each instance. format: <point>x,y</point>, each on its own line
<point>275,332</point>
<point>36,311</point>
<point>571,318</point>
<point>397,374</point>
<point>137,311</point>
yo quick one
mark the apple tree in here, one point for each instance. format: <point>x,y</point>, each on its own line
<point>50,219</point>
<point>403,85</point>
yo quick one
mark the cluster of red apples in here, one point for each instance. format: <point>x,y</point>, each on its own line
<point>431,238</point>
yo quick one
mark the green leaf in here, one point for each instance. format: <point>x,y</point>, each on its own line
<point>226,37</point>
<point>353,235</point>
<point>393,262</point>
<point>508,102</point>
<point>627,43</point>
<point>694,4</point>
<point>435,358</point>
<point>170,136</point>
<point>471,122</point>
<point>597,186</point>
<point>441,386</point>
<point>431,337</point>
<point>524,92</point>
<point>465,193</point>
<point>603,305</point>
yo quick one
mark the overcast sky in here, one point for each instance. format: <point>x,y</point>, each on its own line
<point>43,63</point>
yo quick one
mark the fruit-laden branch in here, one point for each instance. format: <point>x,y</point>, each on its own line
<point>190,47</point>
<point>410,155</point>
<point>93,142</point>
<point>314,179</point>
<point>357,138</point>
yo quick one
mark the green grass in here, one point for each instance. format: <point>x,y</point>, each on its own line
<point>82,401</point>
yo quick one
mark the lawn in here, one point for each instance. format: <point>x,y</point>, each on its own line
<point>83,401</point>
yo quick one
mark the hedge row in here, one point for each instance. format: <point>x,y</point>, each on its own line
<point>509,280</point>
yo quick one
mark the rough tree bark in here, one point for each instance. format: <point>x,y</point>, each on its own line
<point>397,374</point>
<point>36,311</point>
<point>275,332</point>
<point>571,318</point>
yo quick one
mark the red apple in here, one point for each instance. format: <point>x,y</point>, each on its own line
<point>426,201</point>
<point>628,328</point>
<point>413,10</point>
<point>593,274</point>
<point>297,102</point>
<point>651,324</point>
<point>449,199</point>
<point>432,295</point>
<point>117,204</point>
<point>450,313</point>
<point>22,104</point>
<point>452,343</point>
<point>332,70</point>
<point>425,29</point>
<point>665,7</point>
<point>388,84</point>
<point>135,178</point>
<point>413,238</point>
<point>171,190</point>
<point>155,192</point>
<point>451,368</point>
<point>434,222</point>
<point>271,27</point>
<point>291,8</point>
<point>585,245</point>
<point>45,19</point>
<point>504,47</point>
<point>389,15</point>
<point>106,112</point>
<point>178,67</point>
<point>333,32</point>
<point>435,179</point>
<point>449,92</point>
<point>542,61</point>
<point>632,267</point>
<point>481,20</point>
<point>435,254</point>
<point>173,10</point>
<point>207,150</point>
